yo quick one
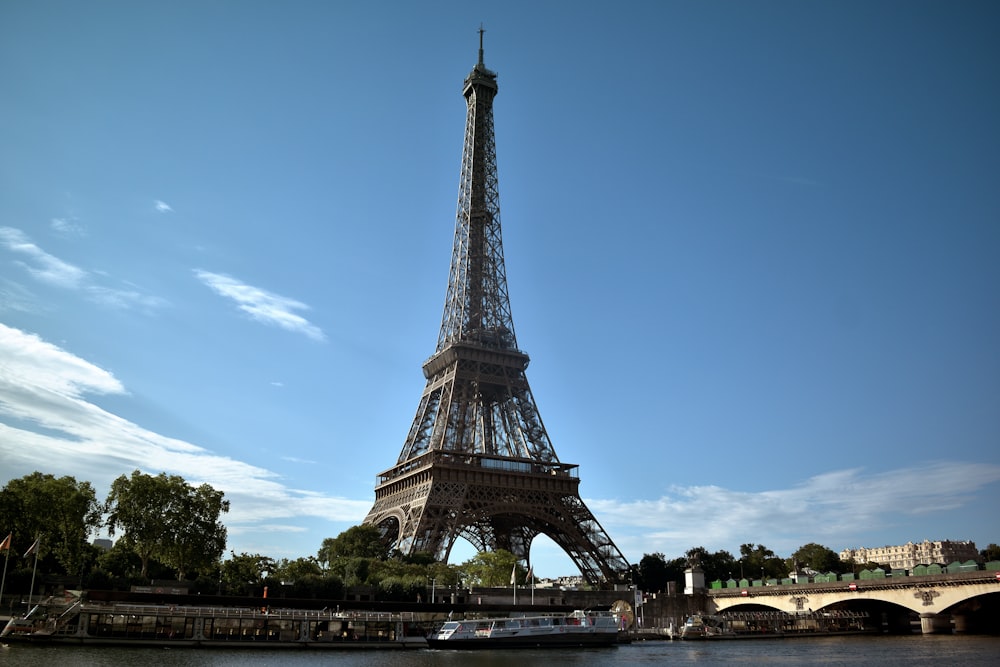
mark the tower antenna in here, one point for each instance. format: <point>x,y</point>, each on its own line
<point>481,31</point>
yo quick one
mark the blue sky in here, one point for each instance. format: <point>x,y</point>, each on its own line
<point>753,249</point>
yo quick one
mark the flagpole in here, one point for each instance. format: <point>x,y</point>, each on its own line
<point>3,582</point>
<point>33,570</point>
<point>513,580</point>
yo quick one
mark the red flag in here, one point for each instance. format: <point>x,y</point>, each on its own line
<point>5,545</point>
<point>32,549</point>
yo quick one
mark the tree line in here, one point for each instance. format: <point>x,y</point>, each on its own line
<point>169,529</point>
<point>166,527</point>
<point>654,571</point>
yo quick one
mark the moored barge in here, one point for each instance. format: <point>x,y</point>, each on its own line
<point>581,628</point>
<point>78,622</point>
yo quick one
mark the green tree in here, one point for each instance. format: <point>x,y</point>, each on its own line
<point>871,565</point>
<point>137,506</point>
<point>719,565</point>
<point>60,512</point>
<point>492,568</point>
<point>816,557</point>
<point>651,574</point>
<point>166,518</point>
<point>244,574</point>
<point>196,538</point>
<point>445,574</point>
<point>290,571</point>
<point>402,588</point>
<point>991,552</point>
<point>122,562</point>
<point>356,542</point>
<point>758,560</point>
<point>419,558</point>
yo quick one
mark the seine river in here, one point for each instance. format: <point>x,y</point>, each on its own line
<point>915,651</point>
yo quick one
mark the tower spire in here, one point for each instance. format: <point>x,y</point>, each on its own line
<point>481,31</point>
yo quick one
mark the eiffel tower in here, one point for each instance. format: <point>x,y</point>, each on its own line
<point>477,462</point>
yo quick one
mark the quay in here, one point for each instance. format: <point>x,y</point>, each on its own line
<point>963,602</point>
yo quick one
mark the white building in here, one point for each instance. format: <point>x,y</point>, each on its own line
<point>909,555</point>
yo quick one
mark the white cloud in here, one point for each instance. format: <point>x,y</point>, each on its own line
<point>47,422</point>
<point>262,305</point>
<point>162,206</point>
<point>67,227</point>
<point>295,459</point>
<point>51,270</point>
<point>40,264</point>
<point>835,508</point>
<point>29,361</point>
<point>16,297</point>
<point>124,298</point>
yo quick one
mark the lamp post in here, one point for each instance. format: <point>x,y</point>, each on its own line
<point>433,589</point>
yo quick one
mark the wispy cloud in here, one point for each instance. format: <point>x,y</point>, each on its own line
<point>162,206</point>
<point>125,298</point>
<point>40,264</point>
<point>69,227</point>
<point>16,297</point>
<point>262,305</point>
<point>49,422</point>
<point>838,507</point>
<point>51,270</point>
<point>295,459</point>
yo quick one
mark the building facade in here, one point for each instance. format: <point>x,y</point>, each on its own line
<point>909,555</point>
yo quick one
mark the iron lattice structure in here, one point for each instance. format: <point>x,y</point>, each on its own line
<point>477,462</point>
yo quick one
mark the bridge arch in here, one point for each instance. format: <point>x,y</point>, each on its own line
<point>964,601</point>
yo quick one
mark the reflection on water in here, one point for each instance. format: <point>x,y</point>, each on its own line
<point>915,651</point>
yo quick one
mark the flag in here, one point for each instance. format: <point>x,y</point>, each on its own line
<point>32,549</point>
<point>530,574</point>
<point>513,575</point>
<point>5,545</point>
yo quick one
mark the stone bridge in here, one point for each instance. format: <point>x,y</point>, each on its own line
<point>943,602</point>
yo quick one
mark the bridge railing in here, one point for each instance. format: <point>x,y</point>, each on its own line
<point>954,573</point>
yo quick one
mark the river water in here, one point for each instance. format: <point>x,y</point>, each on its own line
<point>887,651</point>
